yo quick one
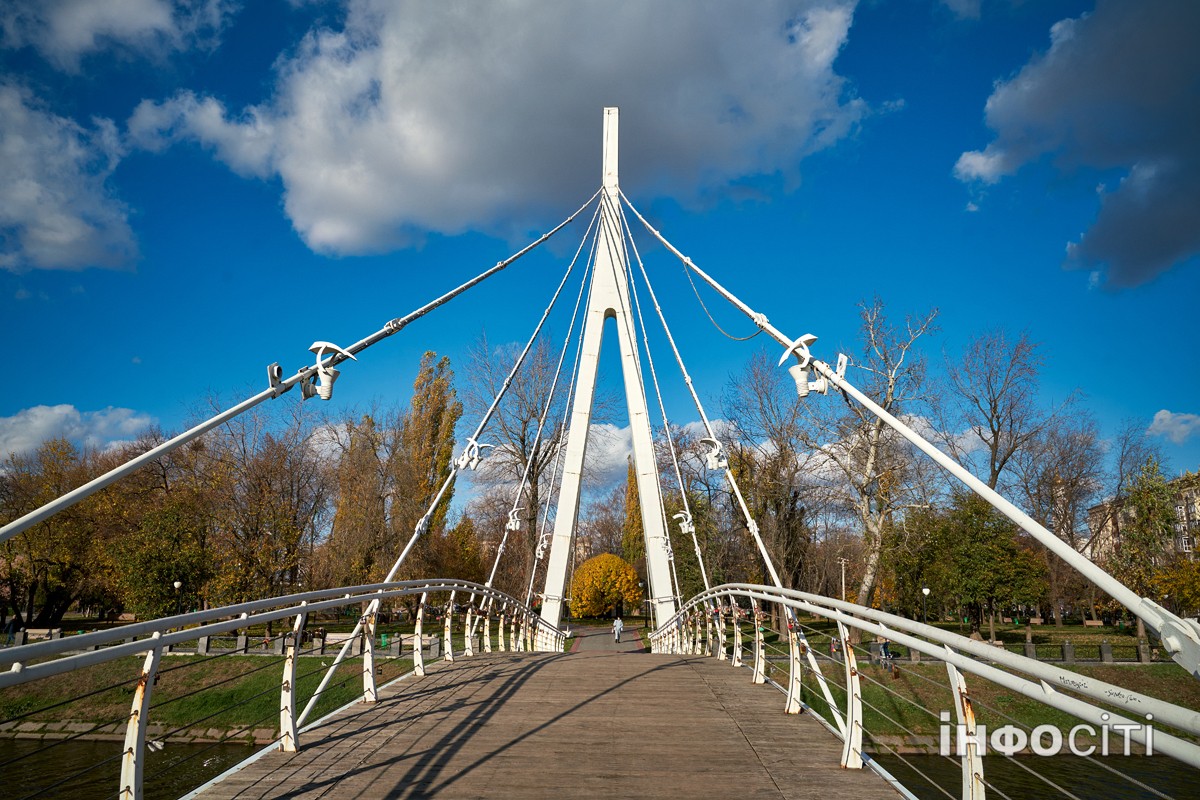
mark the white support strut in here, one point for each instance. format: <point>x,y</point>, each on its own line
<point>609,298</point>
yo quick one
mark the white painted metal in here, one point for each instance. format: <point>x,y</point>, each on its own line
<point>760,655</point>
<point>370,695</point>
<point>852,741</point>
<point>469,633</point>
<point>289,741</point>
<point>133,758</point>
<point>972,759</point>
<point>418,655</point>
<point>609,298</point>
<point>735,614</point>
<point>795,671</point>
<point>447,639</point>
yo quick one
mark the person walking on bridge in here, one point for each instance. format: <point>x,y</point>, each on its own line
<point>618,626</point>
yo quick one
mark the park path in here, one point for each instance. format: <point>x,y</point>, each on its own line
<point>592,724</point>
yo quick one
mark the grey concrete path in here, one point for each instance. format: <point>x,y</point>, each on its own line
<point>588,724</point>
<point>601,640</point>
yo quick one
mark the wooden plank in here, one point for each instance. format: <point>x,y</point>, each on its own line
<point>589,724</point>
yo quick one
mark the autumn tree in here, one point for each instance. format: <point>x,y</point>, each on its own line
<point>1058,475</point>
<point>604,584</point>
<point>355,546</point>
<point>1146,532</point>
<point>517,451</point>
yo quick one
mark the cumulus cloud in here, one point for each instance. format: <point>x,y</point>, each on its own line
<point>1115,90</point>
<point>27,429</point>
<point>418,117</point>
<point>1176,427</point>
<point>64,31</point>
<point>55,212</point>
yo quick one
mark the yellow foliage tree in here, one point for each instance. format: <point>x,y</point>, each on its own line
<point>601,583</point>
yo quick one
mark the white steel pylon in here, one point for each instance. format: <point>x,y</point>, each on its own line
<point>609,299</point>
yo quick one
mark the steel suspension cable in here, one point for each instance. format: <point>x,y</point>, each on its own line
<point>667,425</point>
<point>304,374</point>
<point>1181,637</point>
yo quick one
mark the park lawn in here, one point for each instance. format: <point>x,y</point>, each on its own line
<point>210,692</point>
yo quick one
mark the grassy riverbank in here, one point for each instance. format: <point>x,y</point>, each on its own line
<point>191,692</point>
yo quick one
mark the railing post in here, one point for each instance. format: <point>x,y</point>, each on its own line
<point>133,759</point>
<point>500,628</point>
<point>852,735</point>
<point>760,656</point>
<point>449,642</point>
<point>708,627</point>
<point>418,655</point>
<point>289,740</point>
<point>368,653</point>
<point>487,630</point>
<point>735,612</point>
<point>721,631</point>
<point>514,640</point>
<point>468,633</point>
<point>969,736</point>
<point>795,668</point>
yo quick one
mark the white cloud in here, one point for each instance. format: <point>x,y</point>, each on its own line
<point>609,449</point>
<point>54,210</point>
<point>964,9</point>
<point>1176,427</point>
<point>64,31</point>
<point>27,429</point>
<point>449,116</point>
<point>1115,90</point>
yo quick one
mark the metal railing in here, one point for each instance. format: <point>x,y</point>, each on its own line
<point>519,628</point>
<point>716,622</point>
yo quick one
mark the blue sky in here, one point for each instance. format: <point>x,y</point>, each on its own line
<point>192,190</point>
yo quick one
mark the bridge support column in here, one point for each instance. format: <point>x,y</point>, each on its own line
<point>133,759</point>
<point>760,655</point>
<point>418,653</point>
<point>289,741</point>
<point>968,736</point>
<point>368,652</point>
<point>446,638</point>
<point>852,730</point>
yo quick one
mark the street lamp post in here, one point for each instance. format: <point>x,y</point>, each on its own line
<point>843,562</point>
<point>924,607</point>
<point>178,598</point>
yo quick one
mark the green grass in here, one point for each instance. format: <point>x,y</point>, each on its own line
<point>213,692</point>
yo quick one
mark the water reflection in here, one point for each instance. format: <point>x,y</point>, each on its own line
<point>1087,780</point>
<point>88,770</point>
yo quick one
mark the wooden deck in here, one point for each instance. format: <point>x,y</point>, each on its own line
<point>594,723</point>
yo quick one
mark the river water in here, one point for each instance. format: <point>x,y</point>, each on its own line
<point>91,770</point>
<point>1085,779</point>
<point>179,768</point>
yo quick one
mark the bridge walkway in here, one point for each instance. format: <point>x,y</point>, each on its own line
<point>596,723</point>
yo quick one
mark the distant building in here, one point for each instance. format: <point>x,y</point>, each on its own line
<point>1105,521</point>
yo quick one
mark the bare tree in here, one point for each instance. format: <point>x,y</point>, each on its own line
<point>995,386</point>
<point>853,453</point>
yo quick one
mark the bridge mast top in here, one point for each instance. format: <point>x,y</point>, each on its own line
<point>609,176</point>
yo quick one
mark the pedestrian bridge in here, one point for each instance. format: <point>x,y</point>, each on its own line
<point>601,721</point>
<point>737,696</point>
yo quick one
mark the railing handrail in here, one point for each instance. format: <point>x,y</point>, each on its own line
<point>160,633</point>
<point>945,647</point>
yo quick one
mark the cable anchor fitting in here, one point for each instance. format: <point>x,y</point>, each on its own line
<point>799,370</point>
<point>715,459</point>
<point>472,454</point>
<point>325,375</point>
